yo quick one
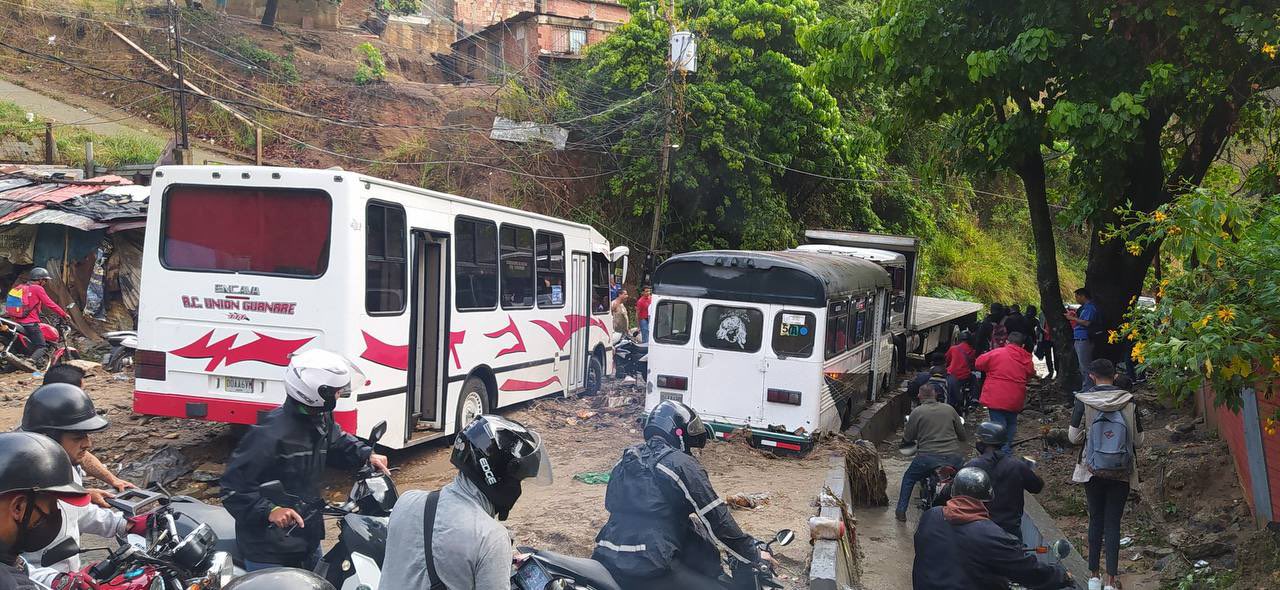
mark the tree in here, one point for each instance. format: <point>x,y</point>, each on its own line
<point>761,146</point>
<point>1142,95</point>
<point>269,14</point>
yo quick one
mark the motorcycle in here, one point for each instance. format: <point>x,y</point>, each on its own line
<point>165,559</point>
<point>933,486</point>
<point>355,561</point>
<point>1053,553</point>
<point>16,348</point>
<point>630,357</point>
<point>124,344</point>
<point>546,570</point>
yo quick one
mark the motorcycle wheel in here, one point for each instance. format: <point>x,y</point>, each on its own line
<point>115,362</point>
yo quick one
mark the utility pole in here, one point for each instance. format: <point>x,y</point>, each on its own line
<point>660,199</point>
<point>184,144</point>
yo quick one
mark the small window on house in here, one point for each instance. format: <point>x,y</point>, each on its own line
<point>385,259</point>
<point>549,250</point>
<point>577,40</point>
<point>516,247</point>
<point>476,263</point>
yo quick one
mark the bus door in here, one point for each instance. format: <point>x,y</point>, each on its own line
<point>729,362</point>
<point>580,305</point>
<point>794,375</point>
<point>429,320</point>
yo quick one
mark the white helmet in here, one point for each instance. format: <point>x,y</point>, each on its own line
<point>317,378</point>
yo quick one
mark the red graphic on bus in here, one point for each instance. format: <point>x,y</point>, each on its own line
<point>387,355</point>
<point>521,385</point>
<point>568,326</point>
<point>510,329</point>
<point>272,351</point>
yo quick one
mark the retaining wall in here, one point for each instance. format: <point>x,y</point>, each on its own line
<point>833,566</point>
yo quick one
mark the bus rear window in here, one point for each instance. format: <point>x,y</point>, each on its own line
<point>247,230</point>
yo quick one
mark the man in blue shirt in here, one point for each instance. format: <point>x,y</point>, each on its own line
<point>1082,318</point>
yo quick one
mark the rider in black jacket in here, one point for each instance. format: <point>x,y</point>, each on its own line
<point>655,493</point>
<point>293,445</point>
<point>1010,475</point>
<point>959,548</point>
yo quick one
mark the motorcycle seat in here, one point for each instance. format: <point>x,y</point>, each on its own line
<point>588,571</point>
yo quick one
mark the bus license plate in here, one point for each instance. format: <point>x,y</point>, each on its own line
<point>238,385</point>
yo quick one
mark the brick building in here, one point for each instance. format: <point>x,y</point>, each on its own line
<point>528,42</point>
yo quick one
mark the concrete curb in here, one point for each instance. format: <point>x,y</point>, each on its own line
<point>832,566</point>
<point>1050,532</point>
<point>880,420</point>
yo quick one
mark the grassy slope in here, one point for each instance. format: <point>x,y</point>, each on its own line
<point>108,150</point>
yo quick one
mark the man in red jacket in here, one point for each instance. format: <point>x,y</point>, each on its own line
<point>32,300</point>
<point>1004,388</point>
<point>960,360</point>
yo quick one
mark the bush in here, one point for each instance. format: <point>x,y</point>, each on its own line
<point>400,6</point>
<point>373,68</point>
<point>281,66</point>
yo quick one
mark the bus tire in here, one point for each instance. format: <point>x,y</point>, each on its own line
<point>474,401</point>
<point>595,376</point>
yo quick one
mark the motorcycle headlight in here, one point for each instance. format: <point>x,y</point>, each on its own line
<point>157,583</point>
<point>221,570</point>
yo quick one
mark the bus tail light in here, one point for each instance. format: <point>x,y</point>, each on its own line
<point>150,365</point>
<point>783,396</point>
<point>673,382</point>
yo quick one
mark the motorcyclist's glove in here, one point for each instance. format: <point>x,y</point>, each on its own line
<point>80,580</point>
<point>138,525</point>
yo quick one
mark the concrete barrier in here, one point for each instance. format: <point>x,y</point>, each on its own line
<point>833,565</point>
<point>880,420</point>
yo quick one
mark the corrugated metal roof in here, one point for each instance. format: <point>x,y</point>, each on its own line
<point>60,193</point>
<point>27,195</point>
<point>62,218</point>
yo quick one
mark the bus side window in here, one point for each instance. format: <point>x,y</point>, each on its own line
<point>516,246</point>
<point>385,259</point>
<point>672,322</point>
<point>837,327</point>
<point>549,250</point>
<point>599,284</point>
<point>860,323</point>
<point>476,263</point>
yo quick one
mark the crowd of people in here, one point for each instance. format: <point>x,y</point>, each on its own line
<point>977,525</point>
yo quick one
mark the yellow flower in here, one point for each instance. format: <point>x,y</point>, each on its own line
<point>1174,230</point>
<point>1134,249</point>
<point>1226,314</point>
<point>1133,335</point>
<point>1159,216</point>
<point>1275,363</point>
<point>1232,284</point>
<point>1269,50</point>
<point>1201,323</point>
<point>1270,426</point>
<point>1139,352</point>
<point>1112,337</point>
<point>1208,367</point>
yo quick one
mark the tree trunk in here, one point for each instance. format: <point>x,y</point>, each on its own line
<point>1031,171</point>
<point>269,15</point>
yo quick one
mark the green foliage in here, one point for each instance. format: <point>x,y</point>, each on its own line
<point>747,120</point>
<point>1208,580</point>
<point>108,150</point>
<point>282,66</point>
<point>372,67</point>
<point>400,6</point>
<point>1220,301</point>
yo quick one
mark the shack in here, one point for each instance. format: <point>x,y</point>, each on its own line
<point>87,233</point>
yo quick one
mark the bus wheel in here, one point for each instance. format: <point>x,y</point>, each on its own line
<point>595,373</point>
<point>475,401</point>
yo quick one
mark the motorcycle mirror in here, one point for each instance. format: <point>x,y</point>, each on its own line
<point>66,549</point>
<point>784,537</point>
<point>274,490</point>
<point>71,305</point>
<point>1062,548</point>
<point>378,432</point>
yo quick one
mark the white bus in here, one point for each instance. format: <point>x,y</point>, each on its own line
<point>450,307</point>
<point>787,344</point>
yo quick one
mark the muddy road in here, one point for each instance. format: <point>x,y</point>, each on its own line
<point>585,436</point>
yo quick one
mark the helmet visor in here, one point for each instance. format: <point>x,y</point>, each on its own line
<point>536,466</point>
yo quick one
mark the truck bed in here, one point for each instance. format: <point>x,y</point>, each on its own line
<point>932,311</point>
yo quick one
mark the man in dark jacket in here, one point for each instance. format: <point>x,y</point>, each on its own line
<point>35,474</point>
<point>293,445</point>
<point>985,330</point>
<point>937,374</point>
<point>1009,474</point>
<point>666,524</point>
<point>959,548</point>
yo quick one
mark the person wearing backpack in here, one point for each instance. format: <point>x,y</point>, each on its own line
<point>24,304</point>
<point>1106,421</point>
<point>937,374</point>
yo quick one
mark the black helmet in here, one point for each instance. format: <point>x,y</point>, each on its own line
<point>33,462</point>
<point>991,434</point>
<point>496,454</point>
<point>974,483</point>
<point>60,407</point>
<point>39,274</point>
<point>279,578</point>
<point>678,424</point>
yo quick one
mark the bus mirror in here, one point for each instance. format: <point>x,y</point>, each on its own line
<point>619,253</point>
<point>620,256</point>
<point>378,432</point>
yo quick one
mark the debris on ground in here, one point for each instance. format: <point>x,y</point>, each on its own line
<point>592,477</point>
<point>867,480</point>
<point>747,501</point>
<point>163,467</point>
